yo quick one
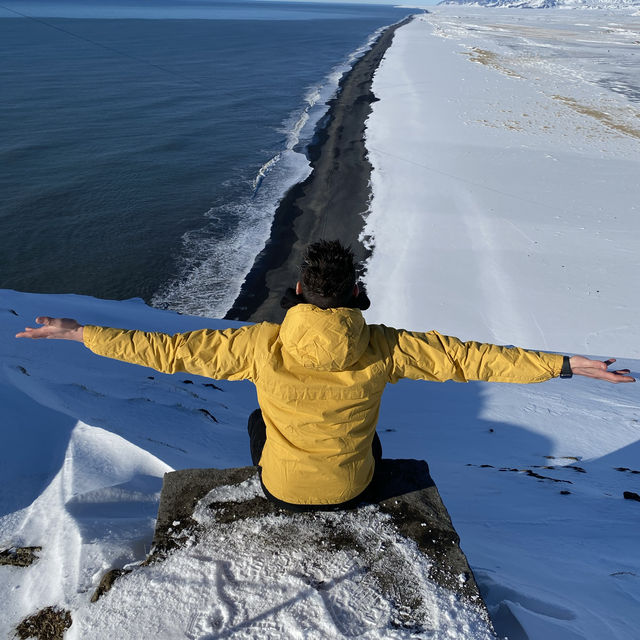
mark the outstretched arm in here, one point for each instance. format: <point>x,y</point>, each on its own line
<point>54,329</point>
<point>433,356</point>
<point>226,354</point>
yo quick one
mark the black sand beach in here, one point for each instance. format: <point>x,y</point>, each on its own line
<point>329,204</point>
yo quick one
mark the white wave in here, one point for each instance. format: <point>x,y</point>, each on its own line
<point>298,125</point>
<point>213,270</point>
<point>264,169</point>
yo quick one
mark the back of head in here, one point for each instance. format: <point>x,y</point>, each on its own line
<point>328,274</point>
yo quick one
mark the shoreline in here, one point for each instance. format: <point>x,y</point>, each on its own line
<point>330,204</point>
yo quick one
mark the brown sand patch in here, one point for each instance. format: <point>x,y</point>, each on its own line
<point>490,59</point>
<point>601,116</point>
<point>549,32</point>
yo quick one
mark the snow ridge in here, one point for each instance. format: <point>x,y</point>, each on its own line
<point>548,4</point>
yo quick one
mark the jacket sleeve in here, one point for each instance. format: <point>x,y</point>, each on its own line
<point>225,355</point>
<point>432,356</point>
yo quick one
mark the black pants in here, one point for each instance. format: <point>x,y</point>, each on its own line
<point>257,438</point>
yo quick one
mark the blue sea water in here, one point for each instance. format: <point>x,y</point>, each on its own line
<point>145,146</point>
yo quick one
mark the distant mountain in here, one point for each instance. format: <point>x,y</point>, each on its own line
<point>547,4</point>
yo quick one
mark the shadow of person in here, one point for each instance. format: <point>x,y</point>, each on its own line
<point>443,424</point>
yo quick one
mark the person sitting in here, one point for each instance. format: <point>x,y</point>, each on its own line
<point>320,376</point>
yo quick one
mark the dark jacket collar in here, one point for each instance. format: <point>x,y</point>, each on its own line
<point>291,299</point>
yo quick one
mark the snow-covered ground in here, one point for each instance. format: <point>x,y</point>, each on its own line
<point>506,162</point>
<point>506,148</point>
<point>86,442</point>
<point>506,154</point>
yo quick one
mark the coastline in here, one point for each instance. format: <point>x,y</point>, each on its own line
<point>330,203</point>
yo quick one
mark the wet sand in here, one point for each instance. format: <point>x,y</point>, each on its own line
<point>329,204</point>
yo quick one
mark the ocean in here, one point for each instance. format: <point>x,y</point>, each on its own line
<point>144,148</point>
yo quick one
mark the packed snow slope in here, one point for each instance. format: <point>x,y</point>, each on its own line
<point>506,156</point>
<point>86,442</point>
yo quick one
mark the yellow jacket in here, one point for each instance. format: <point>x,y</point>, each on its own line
<point>320,377</point>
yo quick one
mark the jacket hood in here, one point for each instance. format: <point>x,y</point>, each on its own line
<point>324,339</point>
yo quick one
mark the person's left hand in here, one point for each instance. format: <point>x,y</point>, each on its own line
<point>581,366</point>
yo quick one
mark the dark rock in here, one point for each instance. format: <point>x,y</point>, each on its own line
<point>19,556</point>
<point>107,582</point>
<point>48,624</point>
<point>402,489</point>
<point>181,491</point>
<point>207,413</point>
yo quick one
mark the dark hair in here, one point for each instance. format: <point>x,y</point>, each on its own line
<point>328,274</point>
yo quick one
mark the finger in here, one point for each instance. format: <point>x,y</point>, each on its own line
<point>609,362</point>
<point>616,377</point>
<point>29,332</point>
<point>43,320</point>
<point>25,330</point>
<point>603,374</point>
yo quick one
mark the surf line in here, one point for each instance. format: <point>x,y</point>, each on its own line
<point>311,100</point>
<point>330,203</point>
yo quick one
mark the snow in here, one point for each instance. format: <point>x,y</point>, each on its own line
<point>219,582</point>
<point>87,441</point>
<point>505,154</point>
<point>509,165</point>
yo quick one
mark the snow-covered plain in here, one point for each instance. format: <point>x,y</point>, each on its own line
<point>505,209</point>
<point>506,155</point>
<point>506,149</point>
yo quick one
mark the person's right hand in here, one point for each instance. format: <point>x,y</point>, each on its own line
<point>54,329</point>
<point>582,366</point>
